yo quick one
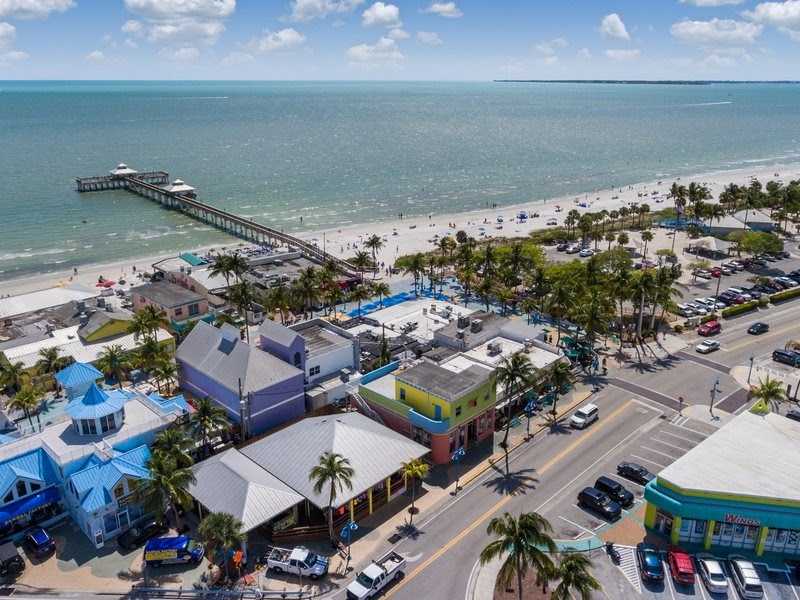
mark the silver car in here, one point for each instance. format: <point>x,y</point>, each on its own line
<point>711,573</point>
<point>745,577</point>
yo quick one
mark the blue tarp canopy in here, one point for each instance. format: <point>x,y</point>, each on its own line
<point>26,505</point>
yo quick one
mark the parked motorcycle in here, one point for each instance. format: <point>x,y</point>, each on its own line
<point>612,552</point>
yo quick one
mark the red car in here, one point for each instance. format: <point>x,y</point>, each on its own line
<point>680,564</point>
<point>709,328</point>
<point>716,272</point>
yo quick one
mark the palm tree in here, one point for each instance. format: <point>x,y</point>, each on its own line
<point>229,265</point>
<point>374,243</point>
<point>333,470</point>
<point>574,571</point>
<point>647,237</point>
<point>51,360</point>
<point>361,261</point>
<point>221,531</point>
<point>114,360</point>
<point>359,294</point>
<point>415,469</point>
<point>382,289</point>
<point>27,399</point>
<point>560,376</point>
<point>277,299</point>
<point>771,392</point>
<point>241,295</point>
<point>147,321</point>
<point>14,375</point>
<point>333,296</point>
<point>514,374</point>
<point>164,370</point>
<point>521,539</point>
<point>149,353</point>
<point>306,289</point>
<point>208,418</point>
<point>173,442</point>
<point>167,486</point>
<point>416,268</point>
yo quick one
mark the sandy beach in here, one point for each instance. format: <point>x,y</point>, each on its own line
<point>415,234</point>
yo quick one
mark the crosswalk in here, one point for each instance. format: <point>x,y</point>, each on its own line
<point>627,564</point>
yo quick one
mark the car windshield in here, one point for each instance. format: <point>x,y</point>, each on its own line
<point>580,415</point>
<point>311,560</point>
<point>364,580</point>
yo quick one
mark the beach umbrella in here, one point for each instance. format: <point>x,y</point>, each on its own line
<point>481,228</point>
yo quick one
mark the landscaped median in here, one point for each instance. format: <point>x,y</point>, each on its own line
<point>745,307</point>
<point>785,295</point>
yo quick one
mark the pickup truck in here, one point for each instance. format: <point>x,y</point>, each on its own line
<point>298,561</point>
<point>377,576</point>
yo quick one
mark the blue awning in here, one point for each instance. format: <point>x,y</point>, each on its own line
<point>10,511</point>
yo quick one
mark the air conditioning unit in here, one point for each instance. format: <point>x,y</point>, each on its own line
<point>463,321</point>
<point>495,347</point>
<point>476,326</point>
<point>100,302</point>
<point>460,334</point>
<point>527,342</point>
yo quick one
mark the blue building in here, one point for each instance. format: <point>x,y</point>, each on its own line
<point>88,464</point>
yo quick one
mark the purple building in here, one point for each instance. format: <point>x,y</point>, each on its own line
<point>216,362</point>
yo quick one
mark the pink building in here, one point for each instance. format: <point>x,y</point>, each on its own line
<point>180,304</point>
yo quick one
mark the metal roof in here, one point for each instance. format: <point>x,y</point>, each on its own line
<point>167,294</point>
<point>34,466</point>
<point>749,456</point>
<point>102,317</point>
<point>76,374</point>
<point>95,483</point>
<point>27,303</point>
<point>375,452</point>
<point>278,333</point>
<point>222,356</point>
<point>96,403</point>
<point>232,483</point>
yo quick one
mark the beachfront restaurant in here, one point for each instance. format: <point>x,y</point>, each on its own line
<point>735,490</point>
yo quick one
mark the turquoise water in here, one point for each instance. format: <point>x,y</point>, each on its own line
<point>348,153</point>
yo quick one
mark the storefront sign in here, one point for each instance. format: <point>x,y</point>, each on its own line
<point>740,520</point>
<point>284,523</point>
<point>126,499</point>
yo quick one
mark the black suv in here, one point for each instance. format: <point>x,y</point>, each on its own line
<point>635,472</point>
<point>600,503</point>
<point>142,532</point>
<point>10,560</point>
<point>786,357</point>
<point>615,490</point>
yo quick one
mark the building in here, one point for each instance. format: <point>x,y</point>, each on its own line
<point>217,363</point>
<point>442,406</point>
<point>181,305</point>
<point>755,219</point>
<point>734,489</point>
<point>328,355</point>
<point>87,463</point>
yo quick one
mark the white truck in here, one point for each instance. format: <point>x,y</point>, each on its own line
<point>377,576</point>
<point>298,561</point>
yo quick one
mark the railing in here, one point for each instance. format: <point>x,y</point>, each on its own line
<point>143,592</point>
<point>362,404</point>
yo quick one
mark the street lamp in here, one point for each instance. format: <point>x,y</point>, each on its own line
<point>529,413</point>
<point>457,455</point>
<point>349,528</point>
<point>716,294</point>
<point>750,372</point>
<point>714,391</point>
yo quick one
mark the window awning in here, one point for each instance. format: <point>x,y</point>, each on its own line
<point>11,511</point>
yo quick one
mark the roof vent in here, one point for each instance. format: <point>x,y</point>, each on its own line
<point>476,326</point>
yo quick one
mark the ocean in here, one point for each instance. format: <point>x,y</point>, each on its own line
<point>344,153</point>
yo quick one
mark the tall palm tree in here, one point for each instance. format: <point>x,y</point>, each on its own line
<point>173,442</point>
<point>415,266</point>
<point>594,312</point>
<point>514,374</point>
<point>223,532</point>
<point>278,300</point>
<point>167,486</point>
<point>362,261</point>
<point>359,294</point>
<point>114,360</point>
<point>374,243</point>
<point>147,321</point>
<point>333,470</point>
<point>415,469</point>
<point>771,392</point>
<point>382,290</point>
<point>241,295</point>
<point>306,288</point>
<point>221,266</point>
<point>149,353</point>
<point>647,237</point>
<point>14,375</point>
<point>207,419</point>
<point>521,539</point>
<point>574,571</point>
<point>51,360</point>
<point>333,296</point>
<point>27,399</point>
<point>560,376</point>
<point>164,370</point>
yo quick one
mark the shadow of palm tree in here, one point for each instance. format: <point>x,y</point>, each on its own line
<point>515,482</point>
<point>557,425</point>
<point>409,530</point>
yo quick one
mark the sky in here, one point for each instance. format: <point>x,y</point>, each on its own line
<point>462,40</point>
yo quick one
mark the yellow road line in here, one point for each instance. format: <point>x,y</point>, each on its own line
<point>502,502</point>
<point>761,337</point>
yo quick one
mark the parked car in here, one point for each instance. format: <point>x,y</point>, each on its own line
<point>698,308</point>
<point>685,310</point>
<point>635,472</point>
<point>777,285</point>
<point>745,577</point>
<point>586,252</point>
<point>141,532</point>
<point>768,288</point>
<point>753,291</point>
<point>733,266</point>
<point>562,246</point>
<point>787,282</point>
<point>710,571</point>
<point>794,415</point>
<point>769,257</point>
<point>784,254</point>
<point>702,273</point>
<point>787,357</point>
<point>680,565</point>
<point>740,292</point>
<point>716,272</point>
<point>709,328</point>
<point>39,542</point>
<point>615,490</point>
<point>707,346</point>
<point>758,328</point>
<point>725,270</point>
<point>732,298</point>
<point>584,416</point>
<point>573,249</point>
<point>757,260</point>
<point>649,560</point>
<point>597,501</point>
<point>10,560</point>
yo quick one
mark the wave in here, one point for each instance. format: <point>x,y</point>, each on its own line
<point>708,103</point>
<point>29,253</point>
<point>149,234</point>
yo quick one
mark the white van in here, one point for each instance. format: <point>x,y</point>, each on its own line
<point>684,310</point>
<point>584,416</point>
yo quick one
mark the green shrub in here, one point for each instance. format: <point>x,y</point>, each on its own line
<point>678,329</point>
<point>785,295</point>
<point>739,309</point>
<point>763,302</point>
<point>707,318</point>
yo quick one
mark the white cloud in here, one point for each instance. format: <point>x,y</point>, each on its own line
<point>383,52</point>
<point>548,60</point>
<point>783,15</point>
<point>133,27</point>
<point>444,9</point>
<point>7,34</point>
<point>305,10</point>
<point>284,40</point>
<point>381,15</point>
<point>429,37</point>
<point>613,27</point>
<point>559,42</point>
<point>621,54</point>
<point>179,22</point>
<point>584,53</point>
<point>716,32</point>
<point>710,2</point>
<point>179,54</point>
<point>33,9</point>
<point>238,58</point>
<point>397,34</point>
<point>717,61</point>
<point>544,49</point>
<point>96,56</point>
<point>130,43</point>
<point>14,56</point>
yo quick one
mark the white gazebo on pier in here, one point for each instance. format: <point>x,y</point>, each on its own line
<point>179,187</point>
<point>122,170</point>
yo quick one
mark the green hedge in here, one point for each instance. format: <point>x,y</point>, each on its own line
<point>739,309</point>
<point>785,295</point>
<point>707,318</point>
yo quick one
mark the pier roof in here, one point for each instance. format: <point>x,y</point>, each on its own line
<point>122,169</point>
<point>179,186</point>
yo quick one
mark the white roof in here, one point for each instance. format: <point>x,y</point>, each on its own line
<point>73,345</point>
<point>122,169</point>
<point>750,456</point>
<point>712,243</point>
<point>754,216</point>
<point>179,186</point>
<point>49,298</point>
<point>211,282</point>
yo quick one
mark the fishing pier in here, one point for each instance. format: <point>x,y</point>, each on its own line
<point>182,197</point>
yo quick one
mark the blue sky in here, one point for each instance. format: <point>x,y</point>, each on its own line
<point>400,39</point>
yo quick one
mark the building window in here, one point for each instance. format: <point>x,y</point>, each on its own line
<point>88,426</point>
<point>194,309</point>
<point>402,394</point>
<point>486,396</point>
<point>473,403</point>
<point>481,420</point>
<point>35,487</point>
<point>458,411</point>
<point>178,312</point>
<point>107,423</point>
<point>313,371</point>
<point>21,489</point>
<point>119,491</point>
<point>9,497</point>
<point>298,360</point>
